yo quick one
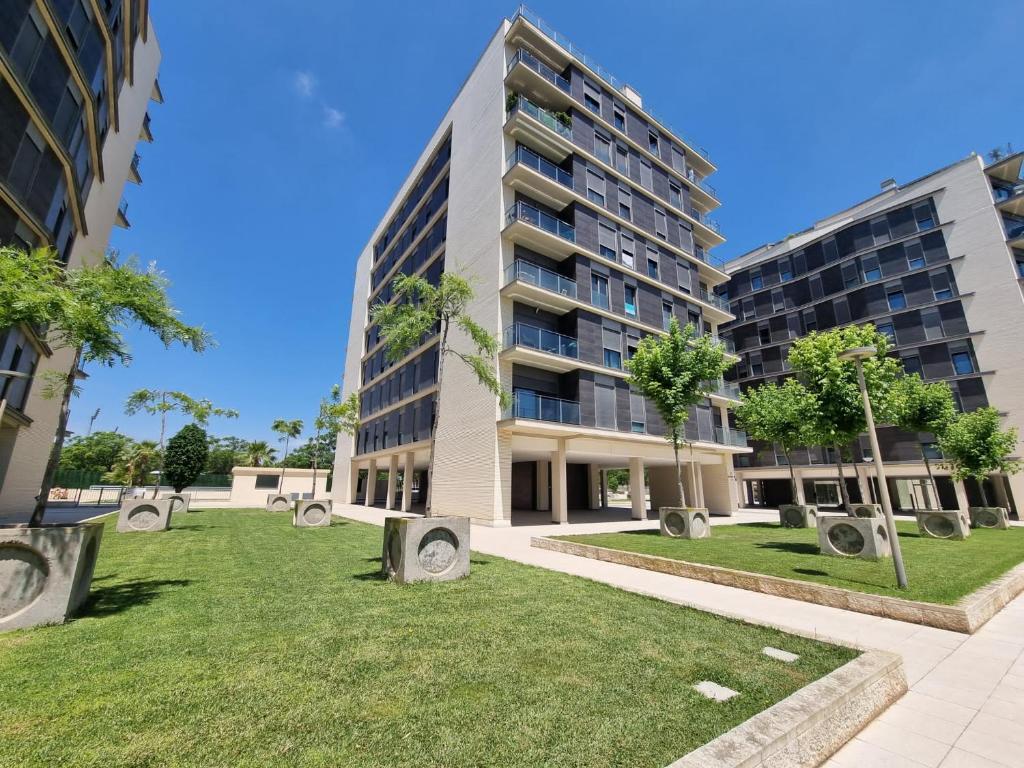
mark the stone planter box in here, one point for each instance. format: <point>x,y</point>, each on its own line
<point>943,524</point>
<point>312,513</point>
<point>179,501</point>
<point>809,726</point>
<point>967,615</point>
<point>279,502</point>
<point>685,522</point>
<point>144,516</point>
<point>864,510</point>
<point>45,572</point>
<point>798,516</point>
<point>989,517</point>
<point>844,536</point>
<point>425,549</point>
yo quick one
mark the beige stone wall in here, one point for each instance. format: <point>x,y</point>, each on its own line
<point>244,492</point>
<point>33,443</point>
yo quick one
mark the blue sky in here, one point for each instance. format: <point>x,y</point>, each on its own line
<point>285,134</point>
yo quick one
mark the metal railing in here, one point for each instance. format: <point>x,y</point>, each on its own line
<point>566,44</point>
<point>707,258</point>
<point>735,437</point>
<point>521,211</point>
<point>529,158</point>
<point>122,211</point>
<point>541,339</point>
<point>136,161</point>
<point>542,278</point>
<point>692,176</point>
<point>725,389</point>
<point>704,219</point>
<point>714,300</point>
<point>563,129</point>
<point>529,405</point>
<point>528,59</point>
<point>1014,229</point>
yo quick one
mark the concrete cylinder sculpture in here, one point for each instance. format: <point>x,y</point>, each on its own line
<point>845,536</point>
<point>144,516</point>
<point>425,549</point>
<point>311,513</point>
<point>989,517</point>
<point>864,510</point>
<point>798,516</point>
<point>179,501</point>
<point>279,502</point>
<point>685,522</point>
<point>943,524</point>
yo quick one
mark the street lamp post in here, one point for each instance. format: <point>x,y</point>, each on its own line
<point>858,356</point>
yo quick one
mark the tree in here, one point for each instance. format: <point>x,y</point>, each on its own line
<point>225,454</point>
<point>258,453</point>
<point>779,415</point>
<point>185,457</point>
<point>85,309</point>
<point>675,372</point>
<point>839,412</point>
<point>421,309</point>
<point>288,430</point>
<point>135,464</point>
<point>335,415</point>
<point>920,407</point>
<point>974,446</point>
<point>97,452</point>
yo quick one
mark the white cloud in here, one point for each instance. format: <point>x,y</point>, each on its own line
<point>305,84</point>
<point>333,118</point>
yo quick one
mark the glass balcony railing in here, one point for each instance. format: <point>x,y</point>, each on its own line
<point>541,339</point>
<point>701,182</point>
<point>525,212</point>
<point>1005,193</point>
<point>735,437</point>
<point>725,389</point>
<point>529,405</point>
<point>524,156</point>
<point>704,219</point>
<point>728,344</point>
<point>1014,229</point>
<point>543,278</point>
<point>714,300</point>
<point>567,45</point>
<point>525,57</point>
<point>136,161</point>
<point>562,128</point>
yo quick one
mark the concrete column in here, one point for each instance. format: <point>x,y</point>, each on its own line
<point>407,476</point>
<point>637,492</point>
<point>594,486</point>
<point>559,489</point>
<point>961,495</point>
<point>392,481</point>
<point>353,483</point>
<point>371,483</point>
<point>604,488</point>
<point>543,481</point>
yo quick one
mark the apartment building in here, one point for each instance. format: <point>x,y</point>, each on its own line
<point>76,79</point>
<point>583,221</point>
<point>936,264</point>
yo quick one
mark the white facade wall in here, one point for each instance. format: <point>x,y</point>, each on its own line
<point>244,492</point>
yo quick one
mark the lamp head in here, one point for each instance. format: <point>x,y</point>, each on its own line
<point>858,353</point>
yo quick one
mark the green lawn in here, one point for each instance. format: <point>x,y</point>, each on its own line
<point>235,639</point>
<point>938,570</point>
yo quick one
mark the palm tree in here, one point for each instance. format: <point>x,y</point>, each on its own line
<point>134,464</point>
<point>288,430</point>
<point>258,453</point>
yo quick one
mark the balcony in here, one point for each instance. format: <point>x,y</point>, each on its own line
<point>733,437</point>
<point>539,287</point>
<point>1014,233</point>
<point>724,389</point>
<point>133,170</point>
<point>529,405</point>
<point>1010,200</point>
<point>540,348</point>
<point>528,74</point>
<point>539,230</point>
<point>121,219</point>
<point>539,178</point>
<point>545,131</point>
<point>146,133</point>
<point>714,300</point>
<point>728,344</point>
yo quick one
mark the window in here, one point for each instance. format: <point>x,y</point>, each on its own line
<point>678,159</point>
<point>748,309</point>
<point>764,334</point>
<point>962,363</point>
<point>831,249</point>
<point>756,281</point>
<point>666,314</point>
<point>612,349</point>
<point>889,330</point>
<point>932,322</point>
<point>266,481</point>
<point>646,175</point>
<point>880,230</point>
<point>785,270</point>
<point>631,300</point>
<point>912,364</point>
<point>896,298</point>
<point>872,271</point>
<point>851,277</point>
<point>652,265</point>
<point>603,148</point>
<point>660,224</point>
<point>622,159</point>
<point>1020,265</point>
<point>915,256</point>
<point>924,217</point>
<point>810,320</point>
<point>29,41</point>
<point>756,365</point>
<point>652,142</point>
<point>599,290</point>
<point>638,427</point>
<point>592,97</point>
<point>942,284</point>
<point>683,277</point>
<point>604,402</point>
<point>815,284</point>
<point>675,195</point>
<point>637,413</point>
<point>595,187</point>
<point>606,240</point>
<point>619,119</point>
<point>625,204</point>
<point>628,249</point>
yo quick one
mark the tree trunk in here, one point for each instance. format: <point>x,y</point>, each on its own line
<point>679,468</point>
<point>442,353</point>
<point>792,475</point>
<point>163,426</point>
<point>981,488</point>
<point>280,479</point>
<point>58,444</point>
<point>931,477</point>
<point>843,492</point>
<point>316,444</point>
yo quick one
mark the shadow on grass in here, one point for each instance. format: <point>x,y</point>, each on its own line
<point>108,601</point>
<point>810,572</point>
<point>796,547</point>
<point>190,527</point>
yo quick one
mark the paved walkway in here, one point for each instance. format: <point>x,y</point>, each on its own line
<point>965,707</point>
